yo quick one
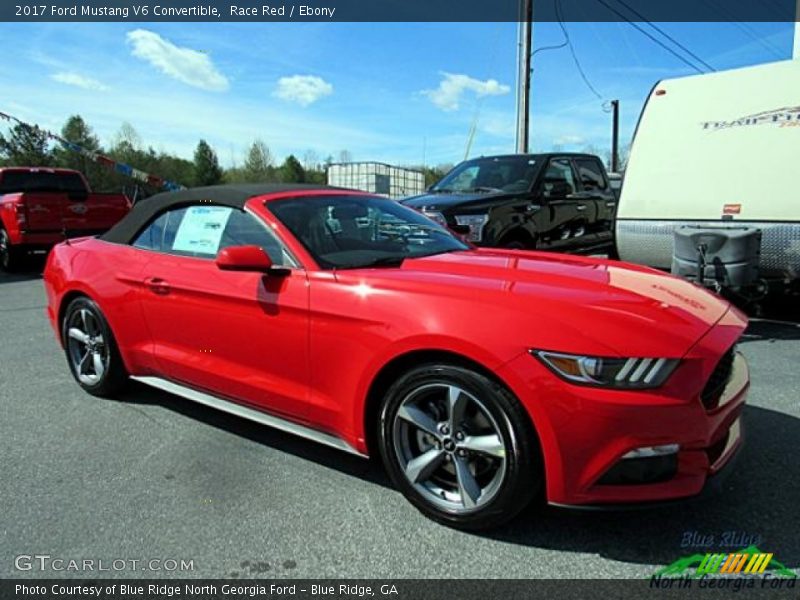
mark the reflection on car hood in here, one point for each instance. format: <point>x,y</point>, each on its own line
<point>602,306</point>
<point>443,201</point>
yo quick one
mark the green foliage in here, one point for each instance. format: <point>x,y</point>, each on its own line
<point>292,171</point>
<point>77,131</point>
<point>206,166</point>
<point>26,147</point>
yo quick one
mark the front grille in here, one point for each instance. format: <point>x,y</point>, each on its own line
<point>718,380</point>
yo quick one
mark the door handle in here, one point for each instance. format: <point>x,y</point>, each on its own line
<point>610,204</point>
<point>581,207</point>
<point>157,285</point>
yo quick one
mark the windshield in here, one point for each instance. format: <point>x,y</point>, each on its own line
<point>20,181</point>
<point>349,232</point>
<point>498,174</point>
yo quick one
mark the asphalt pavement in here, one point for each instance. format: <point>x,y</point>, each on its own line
<point>155,477</point>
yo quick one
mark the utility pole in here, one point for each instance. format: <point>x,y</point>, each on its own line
<point>615,136</point>
<point>525,33</point>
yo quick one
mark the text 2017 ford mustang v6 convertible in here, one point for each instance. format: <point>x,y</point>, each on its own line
<point>483,378</point>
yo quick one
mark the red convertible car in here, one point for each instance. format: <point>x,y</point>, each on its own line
<point>483,378</point>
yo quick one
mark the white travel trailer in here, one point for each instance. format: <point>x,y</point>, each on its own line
<point>720,150</point>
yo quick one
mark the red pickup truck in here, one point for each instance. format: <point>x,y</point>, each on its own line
<point>40,207</point>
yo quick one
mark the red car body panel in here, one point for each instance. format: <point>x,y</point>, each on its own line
<point>308,346</point>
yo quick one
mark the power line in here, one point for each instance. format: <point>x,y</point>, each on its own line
<point>666,35</point>
<point>654,39</point>
<point>574,54</point>
<point>746,29</point>
<point>555,46</point>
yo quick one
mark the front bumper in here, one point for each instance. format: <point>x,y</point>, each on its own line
<point>585,431</point>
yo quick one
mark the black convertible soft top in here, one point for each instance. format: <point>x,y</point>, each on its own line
<point>226,195</point>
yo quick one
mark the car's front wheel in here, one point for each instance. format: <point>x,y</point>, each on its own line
<point>91,349</point>
<point>459,446</point>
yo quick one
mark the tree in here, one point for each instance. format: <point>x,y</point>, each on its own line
<point>292,171</point>
<point>258,164</point>
<point>77,131</point>
<point>311,161</point>
<point>26,147</point>
<point>206,166</point>
<point>345,156</point>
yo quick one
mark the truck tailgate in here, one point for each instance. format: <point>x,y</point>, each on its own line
<point>43,211</point>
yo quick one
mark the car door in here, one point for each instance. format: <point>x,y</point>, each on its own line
<point>241,335</point>
<point>600,200</point>
<point>561,211</point>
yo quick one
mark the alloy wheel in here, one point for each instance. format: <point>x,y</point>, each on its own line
<point>87,349</point>
<point>449,447</point>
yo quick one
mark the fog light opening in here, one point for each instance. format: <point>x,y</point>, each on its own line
<point>651,451</point>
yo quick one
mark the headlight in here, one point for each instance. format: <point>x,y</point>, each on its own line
<point>622,373</point>
<point>435,216</point>
<point>475,224</point>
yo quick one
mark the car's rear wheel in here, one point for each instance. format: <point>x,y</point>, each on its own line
<point>91,349</point>
<point>459,446</point>
<point>10,257</point>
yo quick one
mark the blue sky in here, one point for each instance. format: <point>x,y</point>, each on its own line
<point>395,92</point>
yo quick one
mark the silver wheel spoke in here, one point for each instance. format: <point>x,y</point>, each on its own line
<point>83,362</point>
<point>98,339</point>
<point>467,486</point>
<point>422,467</point>
<point>417,418</point>
<point>84,320</point>
<point>456,404</point>
<point>77,334</point>
<point>449,447</point>
<point>490,445</point>
<point>99,368</point>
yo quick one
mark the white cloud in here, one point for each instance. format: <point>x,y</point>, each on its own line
<point>452,87</point>
<point>184,64</point>
<point>303,89</point>
<point>77,80</point>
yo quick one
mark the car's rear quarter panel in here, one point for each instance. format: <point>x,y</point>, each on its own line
<point>111,275</point>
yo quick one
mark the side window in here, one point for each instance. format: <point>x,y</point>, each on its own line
<point>203,230</point>
<point>242,229</point>
<point>591,175</point>
<point>152,236</point>
<point>558,178</point>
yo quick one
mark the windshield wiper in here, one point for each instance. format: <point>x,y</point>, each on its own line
<point>485,189</point>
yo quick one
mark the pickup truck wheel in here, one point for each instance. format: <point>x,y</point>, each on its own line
<point>91,349</point>
<point>459,446</point>
<point>519,241</point>
<point>10,257</point>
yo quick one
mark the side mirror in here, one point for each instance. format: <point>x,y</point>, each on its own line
<point>247,258</point>
<point>559,191</point>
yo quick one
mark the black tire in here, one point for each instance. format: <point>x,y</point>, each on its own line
<point>519,241</point>
<point>10,257</point>
<point>489,402</point>
<point>84,316</point>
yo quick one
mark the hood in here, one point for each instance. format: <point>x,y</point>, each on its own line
<point>557,302</point>
<point>441,202</point>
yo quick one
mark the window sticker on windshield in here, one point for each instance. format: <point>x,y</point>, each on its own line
<point>201,229</point>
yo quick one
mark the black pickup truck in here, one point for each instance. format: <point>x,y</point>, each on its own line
<point>555,201</point>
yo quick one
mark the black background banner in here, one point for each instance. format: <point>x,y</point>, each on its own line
<point>394,10</point>
<point>400,589</point>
